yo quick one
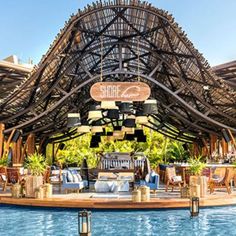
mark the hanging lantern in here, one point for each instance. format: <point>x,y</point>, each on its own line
<point>118,133</point>
<point>150,107</point>
<point>194,206</point>
<point>97,129</point>
<point>128,130</point>
<point>126,108</point>
<point>142,139</point>
<point>94,114</point>
<point>141,118</point>
<point>103,133</point>
<point>109,105</point>
<point>129,121</point>
<point>83,129</point>
<point>129,137</point>
<point>138,132</point>
<point>84,223</point>
<point>113,114</point>
<point>73,120</point>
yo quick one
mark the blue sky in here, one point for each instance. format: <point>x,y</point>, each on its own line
<point>28,27</point>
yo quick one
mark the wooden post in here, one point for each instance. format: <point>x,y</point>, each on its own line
<point>213,140</point>
<point>31,144</point>
<point>53,153</point>
<point>7,146</point>
<point>224,146</point>
<point>2,127</point>
<point>232,138</point>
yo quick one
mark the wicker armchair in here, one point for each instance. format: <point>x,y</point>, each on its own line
<point>172,179</point>
<point>221,182</point>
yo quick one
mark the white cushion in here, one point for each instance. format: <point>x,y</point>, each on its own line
<point>69,177</point>
<point>177,178</point>
<point>4,178</point>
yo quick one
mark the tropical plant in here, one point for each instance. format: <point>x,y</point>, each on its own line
<point>36,164</point>
<point>195,165</point>
<point>3,161</point>
<point>158,149</point>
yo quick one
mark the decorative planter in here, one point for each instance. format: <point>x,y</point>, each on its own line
<point>16,190</point>
<point>32,183</point>
<point>47,190</point>
<point>185,192</point>
<point>195,190</point>
<point>201,181</point>
<point>136,195</point>
<point>145,193</point>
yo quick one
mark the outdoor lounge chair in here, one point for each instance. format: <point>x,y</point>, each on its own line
<point>218,182</point>
<point>173,180</point>
<point>152,183</point>
<point>71,180</point>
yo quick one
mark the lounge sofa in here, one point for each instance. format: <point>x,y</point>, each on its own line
<point>71,180</point>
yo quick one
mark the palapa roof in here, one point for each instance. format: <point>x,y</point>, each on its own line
<point>192,101</point>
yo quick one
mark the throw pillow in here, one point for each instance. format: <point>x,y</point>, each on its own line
<point>75,178</point>
<point>147,178</point>
<point>79,177</point>
<point>177,178</point>
<point>69,176</point>
<point>152,176</point>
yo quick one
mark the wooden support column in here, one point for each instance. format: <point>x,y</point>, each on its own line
<point>224,146</point>
<point>195,149</point>
<point>31,144</point>
<point>232,138</point>
<point>205,149</point>
<point>7,146</point>
<point>2,127</point>
<point>213,143</point>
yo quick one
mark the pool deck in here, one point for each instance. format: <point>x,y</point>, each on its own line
<point>91,200</point>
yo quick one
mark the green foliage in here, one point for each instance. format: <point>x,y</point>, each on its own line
<point>4,161</point>
<point>36,164</point>
<point>195,165</point>
<point>176,152</point>
<point>158,149</point>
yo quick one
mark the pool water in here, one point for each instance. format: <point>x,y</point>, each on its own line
<point>59,222</point>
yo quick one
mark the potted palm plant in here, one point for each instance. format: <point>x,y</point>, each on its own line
<point>196,167</point>
<point>36,166</point>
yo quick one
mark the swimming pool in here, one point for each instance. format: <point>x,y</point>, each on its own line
<point>59,222</point>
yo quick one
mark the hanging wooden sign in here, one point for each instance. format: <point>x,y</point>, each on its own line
<point>120,91</point>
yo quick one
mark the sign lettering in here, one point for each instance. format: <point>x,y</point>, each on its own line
<point>120,91</point>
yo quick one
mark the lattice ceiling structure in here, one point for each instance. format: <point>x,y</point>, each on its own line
<point>11,75</point>
<point>227,72</point>
<point>192,101</point>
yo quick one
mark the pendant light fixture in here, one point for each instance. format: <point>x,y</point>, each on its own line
<point>128,130</point>
<point>129,121</point>
<point>94,113</point>
<point>97,127</point>
<point>108,105</point>
<point>113,114</point>
<point>73,119</point>
<point>126,107</point>
<point>150,107</point>
<point>141,118</point>
<point>84,127</point>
